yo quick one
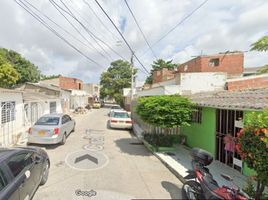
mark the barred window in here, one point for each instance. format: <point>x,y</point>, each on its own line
<point>7,111</point>
<point>197,115</point>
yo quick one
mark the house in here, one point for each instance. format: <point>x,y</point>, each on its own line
<point>220,113</point>
<point>79,98</point>
<point>74,96</point>
<point>11,120</point>
<point>230,62</point>
<point>93,90</point>
<point>39,99</point>
<point>63,82</point>
<point>187,83</point>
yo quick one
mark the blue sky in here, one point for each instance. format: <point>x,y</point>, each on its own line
<point>217,26</point>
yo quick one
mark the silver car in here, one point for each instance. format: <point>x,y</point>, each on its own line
<point>51,129</point>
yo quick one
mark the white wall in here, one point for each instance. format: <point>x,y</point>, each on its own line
<point>161,90</point>
<point>202,82</point>
<point>9,129</point>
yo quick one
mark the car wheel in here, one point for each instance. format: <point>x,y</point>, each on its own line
<point>73,129</point>
<point>45,173</point>
<point>63,141</point>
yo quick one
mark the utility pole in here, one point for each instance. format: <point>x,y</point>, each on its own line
<point>132,74</point>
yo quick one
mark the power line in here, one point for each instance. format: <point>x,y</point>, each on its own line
<point>27,9</point>
<point>55,5</point>
<point>136,21</point>
<point>59,26</point>
<point>121,36</point>
<point>77,11</point>
<point>93,36</point>
<point>178,24</point>
<point>92,10</point>
<point>132,52</point>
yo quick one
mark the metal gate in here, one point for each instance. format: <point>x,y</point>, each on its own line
<point>8,117</point>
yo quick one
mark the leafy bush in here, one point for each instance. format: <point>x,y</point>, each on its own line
<point>165,111</point>
<point>161,140</point>
<point>253,147</point>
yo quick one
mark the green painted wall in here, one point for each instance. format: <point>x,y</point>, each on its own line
<point>203,135</point>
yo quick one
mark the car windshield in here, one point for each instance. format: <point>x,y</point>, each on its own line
<point>120,115</point>
<point>48,121</point>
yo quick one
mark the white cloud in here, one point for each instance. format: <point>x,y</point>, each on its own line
<point>217,26</point>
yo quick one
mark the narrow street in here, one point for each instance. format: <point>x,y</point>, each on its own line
<point>117,167</point>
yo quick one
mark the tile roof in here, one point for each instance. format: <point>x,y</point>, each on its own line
<point>238,100</point>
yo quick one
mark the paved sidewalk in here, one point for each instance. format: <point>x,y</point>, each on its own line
<point>180,162</point>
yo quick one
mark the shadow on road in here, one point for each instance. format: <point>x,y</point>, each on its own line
<point>174,190</point>
<point>132,146</point>
<point>46,146</point>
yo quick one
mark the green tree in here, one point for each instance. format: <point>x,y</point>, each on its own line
<point>48,77</point>
<point>28,71</point>
<point>158,65</point>
<point>253,147</point>
<point>117,77</point>
<point>8,75</point>
<point>261,44</point>
<point>165,111</point>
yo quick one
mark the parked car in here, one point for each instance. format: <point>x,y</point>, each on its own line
<point>22,170</point>
<point>114,108</point>
<point>96,105</point>
<point>120,119</point>
<point>51,129</point>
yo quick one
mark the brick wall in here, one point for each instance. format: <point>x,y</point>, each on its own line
<point>162,75</point>
<point>246,83</point>
<point>231,63</point>
<point>70,83</point>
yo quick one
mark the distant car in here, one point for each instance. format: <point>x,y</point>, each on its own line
<point>120,119</point>
<point>114,108</point>
<point>96,105</point>
<point>51,129</point>
<point>22,170</point>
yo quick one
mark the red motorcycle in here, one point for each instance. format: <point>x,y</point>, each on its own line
<point>201,185</point>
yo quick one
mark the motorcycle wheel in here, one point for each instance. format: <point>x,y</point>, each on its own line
<point>191,190</point>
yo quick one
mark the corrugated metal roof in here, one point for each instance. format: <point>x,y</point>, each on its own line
<point>238,100</point>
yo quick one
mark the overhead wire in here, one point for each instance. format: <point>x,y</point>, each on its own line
<point>89,32</point>
<point>56,24</point>
<point>144,37</point>
<point>178,24</point>
<point>55,5</point>
<point>128,44</point>
<point>100,20</point>
<point>33,14</point>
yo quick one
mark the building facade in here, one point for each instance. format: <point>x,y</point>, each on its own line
<point>11,118</point>
<point>231,63</point>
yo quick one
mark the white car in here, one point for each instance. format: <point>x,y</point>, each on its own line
<point>120,119</point>
<point>115,108</point>
<point>51,129</point>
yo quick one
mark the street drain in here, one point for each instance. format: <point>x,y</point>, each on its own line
<point>136,143</point>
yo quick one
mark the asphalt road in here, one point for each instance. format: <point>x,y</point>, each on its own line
<point>101,163</point>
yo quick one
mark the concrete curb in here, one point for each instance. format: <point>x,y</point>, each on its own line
<point>171,169</point>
